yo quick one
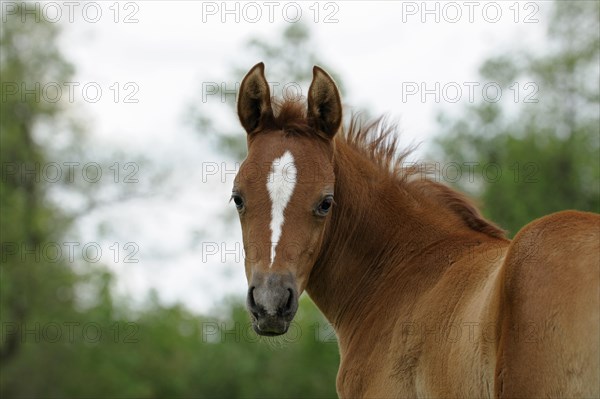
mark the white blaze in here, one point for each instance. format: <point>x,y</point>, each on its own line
<point>280,183</point>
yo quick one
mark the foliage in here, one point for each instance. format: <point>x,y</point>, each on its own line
<point>171,352</point>
<point>540,155</point>
<point>31,287</point>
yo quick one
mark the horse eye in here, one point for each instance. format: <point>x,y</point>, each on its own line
<point>325,205</point>
<point>239,202</point>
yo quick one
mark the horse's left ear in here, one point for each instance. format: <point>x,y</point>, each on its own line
<point>324,103</point>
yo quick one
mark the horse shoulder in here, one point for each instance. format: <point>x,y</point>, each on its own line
<point>550,318</point>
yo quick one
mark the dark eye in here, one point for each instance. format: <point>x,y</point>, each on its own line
<point>325,205</point>
<point>239,201</point>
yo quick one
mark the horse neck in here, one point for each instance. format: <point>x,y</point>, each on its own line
<point>380,242</point>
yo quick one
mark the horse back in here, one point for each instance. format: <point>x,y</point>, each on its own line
<point>550,306</point>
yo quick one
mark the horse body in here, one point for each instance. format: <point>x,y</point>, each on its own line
<point>453,312</point>
<point>414,301</point>
<point>428,299</point>
<point>456,312</point>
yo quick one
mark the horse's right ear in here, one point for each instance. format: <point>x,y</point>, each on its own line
<point>254,99</point>
<point>324,103</point>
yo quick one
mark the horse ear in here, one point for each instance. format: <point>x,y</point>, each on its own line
<point>324,103</point>
<point>254,99</point>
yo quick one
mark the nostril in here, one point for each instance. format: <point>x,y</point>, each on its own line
<point>252,303</point>
<point>290,301</point>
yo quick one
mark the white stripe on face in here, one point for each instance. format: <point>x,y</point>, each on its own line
<point>280,183</point>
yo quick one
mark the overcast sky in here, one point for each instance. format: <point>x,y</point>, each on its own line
<point>383,52</point>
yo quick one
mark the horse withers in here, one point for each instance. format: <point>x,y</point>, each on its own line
<point>427,298</point>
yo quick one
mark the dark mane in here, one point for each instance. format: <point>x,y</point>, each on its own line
<point>377,141</point>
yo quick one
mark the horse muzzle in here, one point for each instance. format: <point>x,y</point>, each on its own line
<point>272,302</point>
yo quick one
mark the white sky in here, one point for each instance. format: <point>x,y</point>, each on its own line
<point>377,49</point>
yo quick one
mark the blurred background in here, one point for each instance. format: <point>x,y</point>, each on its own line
<point>121,260</point>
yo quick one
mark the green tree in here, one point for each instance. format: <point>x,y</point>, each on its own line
<point>543,155</point>
<point>29,282</point>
